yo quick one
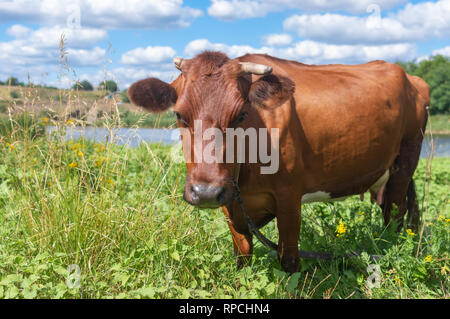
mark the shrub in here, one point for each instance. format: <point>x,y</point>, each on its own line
<point>14,94</point>
<point>110,86</point>
<point>13,81</point>
<point>125,98</point>
<point>83,86</point>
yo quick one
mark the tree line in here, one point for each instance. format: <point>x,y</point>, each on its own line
<point>436,72</point>
<point>85,85</point>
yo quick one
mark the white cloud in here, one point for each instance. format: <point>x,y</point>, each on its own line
<point>277,39</point>
<point>36,52</point>
<point>335,28</point>
<point>82,57</point>
<point>18,31</point>
<point>434,17</point>
<point>320,53</point>
<point>313,52</point>
<point>197,46</point>
<point>148,55</point>
<point>444,51</point>
<point>107,14</point>
<point>229,10</point>
<point>48,37</point>
<point>125,76</point>
<point>413,23</point>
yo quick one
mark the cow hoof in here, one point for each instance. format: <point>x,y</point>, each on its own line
<point>290,264</point>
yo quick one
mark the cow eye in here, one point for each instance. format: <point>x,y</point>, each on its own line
<point>240,118</point>
<point>180,119</point>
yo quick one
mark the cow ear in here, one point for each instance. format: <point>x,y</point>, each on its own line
<point>271,91</point>
<point>152,94</point>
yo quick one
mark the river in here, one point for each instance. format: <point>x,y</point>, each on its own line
<point>133,137</point>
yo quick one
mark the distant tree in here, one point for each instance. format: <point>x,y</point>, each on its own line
<point>2,83</point>
<point>436,72</point>
<point>83,86</point>
<point>427,68</point>
<point>440,90</point>
<point>125,98</point>
<point>409,67</point>
<point>110,86</point>
<point>13,81</point>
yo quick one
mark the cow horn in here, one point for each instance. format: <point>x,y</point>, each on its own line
<point>178,62</point>
<point>254,68</point>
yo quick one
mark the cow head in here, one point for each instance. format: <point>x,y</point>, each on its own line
<point>212,92</point>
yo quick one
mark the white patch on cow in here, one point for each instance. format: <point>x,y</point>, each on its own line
<point>316,197</point>
<point>320,196</point>
<point>380,182</point>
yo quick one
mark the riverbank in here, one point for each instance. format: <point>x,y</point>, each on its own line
<point>439,124</point>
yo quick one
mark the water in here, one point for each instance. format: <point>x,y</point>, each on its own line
<point>133,137</point>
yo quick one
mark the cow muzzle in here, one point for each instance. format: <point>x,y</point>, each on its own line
<point>207,195</point>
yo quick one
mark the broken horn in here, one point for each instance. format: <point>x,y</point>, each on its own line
<point>178,62</point>
<point>254,68</point>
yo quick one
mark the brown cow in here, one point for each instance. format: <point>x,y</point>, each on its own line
<point>343,130</point>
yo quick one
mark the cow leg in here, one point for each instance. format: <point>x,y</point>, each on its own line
<point>398,190</point>
<point>413,218</point>
<point>288,222</point>
<point>242,243</point>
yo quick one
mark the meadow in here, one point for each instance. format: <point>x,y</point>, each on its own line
<point>117,213</point>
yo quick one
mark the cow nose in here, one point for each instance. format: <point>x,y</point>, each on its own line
<point>205,195</point>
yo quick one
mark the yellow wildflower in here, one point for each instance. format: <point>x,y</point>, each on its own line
<point>110,181</point>
<point>80,154</point>
<point>410,232</point>
<point>340,230</point>
<point>397,280</point>
<point>70,121</point>
<point>100,162</point>
<point>76,146</point>
<point>441,217</point>
<point>428,259</point>
<point>11,146</point>
<point>73,164</point>
<point>444,270</point>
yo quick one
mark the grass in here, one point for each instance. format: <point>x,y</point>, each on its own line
<point>440,124</point>
<point>118,214</point>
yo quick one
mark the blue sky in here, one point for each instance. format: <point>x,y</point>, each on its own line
<point>127,40</point>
